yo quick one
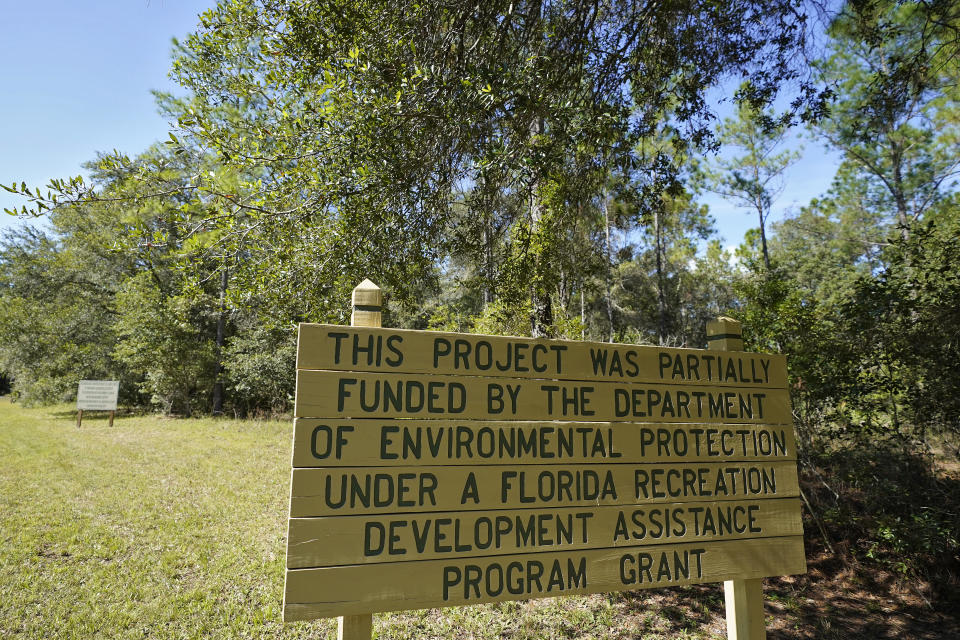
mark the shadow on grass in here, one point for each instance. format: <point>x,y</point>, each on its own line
<point>837,601</point>
<point>95,416</point>
<point>893,520</point>
<point>674,610</point>
<point>92,416</point>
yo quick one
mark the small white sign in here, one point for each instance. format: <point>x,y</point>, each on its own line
<point>98,395</point>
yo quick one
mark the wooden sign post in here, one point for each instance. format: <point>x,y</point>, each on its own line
<point>438,469</point>
<point>367,312</point>
<point>743,598</point>
<point>97,395</point>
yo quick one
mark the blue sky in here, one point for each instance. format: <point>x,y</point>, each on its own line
<point>808,178</point>
<point>79,77</point>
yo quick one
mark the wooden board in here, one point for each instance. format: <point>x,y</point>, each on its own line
<point>330,394</point>
<point>339,348</point>
<point>438,469</point>
<point>348,490</point>
<point>324,542</point>
<point>377,443</point>
<point>97,395</point>
<point>332,591</point>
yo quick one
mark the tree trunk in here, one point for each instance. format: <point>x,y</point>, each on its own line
<point>661,289</point>
<point>903,215</point>
<point>763,202</point>
<point>763,239</point>
<point>583,315</point>
<point>221,336</point>
<point>541,317</point>
<point>609,272</point>
<point>488,275</point>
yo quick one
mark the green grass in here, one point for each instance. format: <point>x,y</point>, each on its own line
<point>163,528</point>
<point>154,528</point>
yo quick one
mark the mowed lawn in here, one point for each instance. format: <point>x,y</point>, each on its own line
<point>153,528</point>
<point>175,528</point>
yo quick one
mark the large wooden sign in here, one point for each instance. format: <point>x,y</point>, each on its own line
<point>434,469</point>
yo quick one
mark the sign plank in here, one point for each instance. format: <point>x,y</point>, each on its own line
<point>323,542</point>
<point>331,591</point>
<point>97,395</point>
<point>366,442</point>
<point>319,492</point>
<point>339,348</point>
<point>329,394</point>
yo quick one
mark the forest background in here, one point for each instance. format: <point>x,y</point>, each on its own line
<point>536,169</point>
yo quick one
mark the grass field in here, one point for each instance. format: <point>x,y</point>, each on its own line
<point>154,528</point>
<point>166,528</point>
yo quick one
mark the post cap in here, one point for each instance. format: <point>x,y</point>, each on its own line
<point>725,325</point>
<point>367,294</point>
<point>725,333</point>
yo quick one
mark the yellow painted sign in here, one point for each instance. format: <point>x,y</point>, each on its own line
<point>343,590</point>
<point>436,469</point>
<point>336,348</point>
<point>378,443</point>
<point>334,394</point>
<point>342,490</point>
<point>327,542</point>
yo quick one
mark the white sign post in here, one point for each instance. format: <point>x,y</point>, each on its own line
<point>97,395</point>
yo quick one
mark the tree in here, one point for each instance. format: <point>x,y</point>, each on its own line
<point>835,239</point>
<point>798,308</point>
<point>370,115</point>
<point>658,281</point>
<point>706,291</point>
<point>895,68</point>
<point>754,178</point>
<point>132,287</point>
<point>905,318</point>
<point>162,337</point>
<point>57,289</point>
<point>348,127</point>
